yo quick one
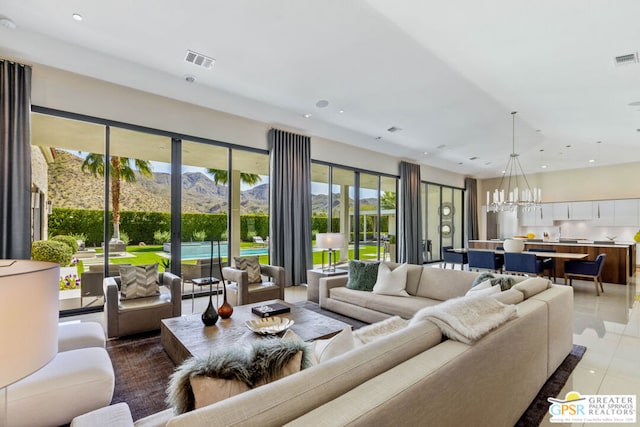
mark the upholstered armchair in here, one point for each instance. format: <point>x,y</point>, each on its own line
<point>449,256</point>
<point>519,262</point>
<point>132,316</point>
<point>241,292</point>
<point>485,260</point>
<point>585,270</point>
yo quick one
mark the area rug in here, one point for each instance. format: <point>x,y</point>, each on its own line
<point>142,371</point>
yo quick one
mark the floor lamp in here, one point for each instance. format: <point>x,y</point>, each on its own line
<point>28,321</point>
<point>329,241</point>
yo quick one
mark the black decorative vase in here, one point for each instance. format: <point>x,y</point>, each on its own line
<point>210,315</point>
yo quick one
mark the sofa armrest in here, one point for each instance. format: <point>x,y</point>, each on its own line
<point>118,415</point>
<point>327,283</point>
<point>111,300</point>
<point>235,275</point>
<point>174,284</point>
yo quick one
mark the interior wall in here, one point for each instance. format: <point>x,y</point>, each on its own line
<point>62,90</point>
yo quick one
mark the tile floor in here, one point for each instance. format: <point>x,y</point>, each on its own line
<point>608,325</point>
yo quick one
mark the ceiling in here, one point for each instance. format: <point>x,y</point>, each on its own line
<point>447,73</point>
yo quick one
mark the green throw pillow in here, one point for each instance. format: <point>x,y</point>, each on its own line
<point>481,278</point>
<point>505,282</point>
<point>362,275</point>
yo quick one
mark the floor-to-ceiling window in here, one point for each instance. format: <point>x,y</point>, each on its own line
<point>320,208</point>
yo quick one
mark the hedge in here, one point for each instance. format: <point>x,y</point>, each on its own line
<point>140,226</point>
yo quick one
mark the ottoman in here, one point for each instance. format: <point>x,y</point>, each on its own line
<point>73,383</point>
<point>75,335</point>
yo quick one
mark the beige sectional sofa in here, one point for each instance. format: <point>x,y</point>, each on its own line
<point>413,376</point>
<point>426,286</point>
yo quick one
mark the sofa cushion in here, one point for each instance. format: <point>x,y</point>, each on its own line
<point>484,288</point>
<point>335,346</point>
<point>362,275</point>
<point>532,286</point>
<point>510,296</point>
<point>442,284</point>
<point>391,281</point>
<point>251,265</point>
<point>413,276</point>
<point>395,306</point>
<point>139,281</point>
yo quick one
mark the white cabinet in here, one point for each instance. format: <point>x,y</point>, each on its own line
<point>538,217</point>
<point>626,213</point>
<point>603,213</point>
<point>581,211</point>
<point>560,211</point>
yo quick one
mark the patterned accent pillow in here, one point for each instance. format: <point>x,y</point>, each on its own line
<point>251,265</point>
<point>362,275</point>
<point>139,281</point>
<point>481,278</point>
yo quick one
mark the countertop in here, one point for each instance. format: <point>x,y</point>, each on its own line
<point>557,242</point>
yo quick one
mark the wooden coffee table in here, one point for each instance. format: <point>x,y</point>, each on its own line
<point>187,336</point>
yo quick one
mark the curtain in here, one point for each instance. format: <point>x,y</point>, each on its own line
<point>411,245</point>
<point>290,216</point>
<point>15,160</point>
<point>471,187</point>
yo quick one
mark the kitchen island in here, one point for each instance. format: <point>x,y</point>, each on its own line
<point>619,265</point>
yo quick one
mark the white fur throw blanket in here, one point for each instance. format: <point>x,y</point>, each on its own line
<point>467,319</point>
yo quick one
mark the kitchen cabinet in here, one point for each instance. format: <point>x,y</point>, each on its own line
<point>560,211</point>
<point>540,217</point>
<point>581,211</point>
<point>626,213</point>
<point>603,213</point>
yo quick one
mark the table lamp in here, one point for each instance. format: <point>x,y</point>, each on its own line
<point>329,241</point>
<point>28,321</point>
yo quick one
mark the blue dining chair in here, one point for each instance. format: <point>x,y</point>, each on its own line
<point>585,269</point>
<point>547,263</point>
<point>453,258</point>
<point>520,262</point>
<point>485,259</point>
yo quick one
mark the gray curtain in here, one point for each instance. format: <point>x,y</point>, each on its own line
<point>471,187</point>
<point>290,217</point>
<point>15,160</point>
<point>411,245</point>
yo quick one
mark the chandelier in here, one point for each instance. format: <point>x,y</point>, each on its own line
<point>509,196</point>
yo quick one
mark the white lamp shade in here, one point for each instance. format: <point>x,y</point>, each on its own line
<point>513,245</point>
<point>28,317</point>
<point>329,240</point>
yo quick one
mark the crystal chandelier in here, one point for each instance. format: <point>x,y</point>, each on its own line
<point>509,196</point>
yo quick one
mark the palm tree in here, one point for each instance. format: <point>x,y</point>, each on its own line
<point>221,176</point>
<point>119,170</point>
<point>388,200</point>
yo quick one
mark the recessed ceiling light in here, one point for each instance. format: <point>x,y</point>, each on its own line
<point>341,111</point>
<point>441,146</point>
<point>77,17</point>
<point>592,161</point>
<point>598,142</point>
<point>568,145</point>
<point>189,78</point>
<point>426,153</point>
<point>322,103</point>
<point>544,166</point>
<point>473,158</point>
<point>393,129</point>
<point>503,172</point>
<point>7,23</point>
<point>377,138</point>
<point>307,116</point>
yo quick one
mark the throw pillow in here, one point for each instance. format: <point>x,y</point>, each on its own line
<point>335,346</point>
<point>481,278</point>
<point>251,265</point>
<point>391,282</point>
<point>504,282</point>
<point>139,281</point>
<point>377,330</point>
<point>362,275</point>
<point>201,382</point>
<point>483,289</point>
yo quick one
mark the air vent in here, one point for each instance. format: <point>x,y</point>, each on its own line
<point>393,129</point>
<point>199,59</point>
<point>631,58</point>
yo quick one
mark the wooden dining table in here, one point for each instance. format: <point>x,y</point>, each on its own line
<point>562,255</point>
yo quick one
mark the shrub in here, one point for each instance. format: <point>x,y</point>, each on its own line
<point>124,237</point>
<point>199,235</point>
<point>79,236</point>
<point>52,251</point>
<point>159,237</point>
<point>69,241</point>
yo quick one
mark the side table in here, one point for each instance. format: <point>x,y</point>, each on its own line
<point>313,281</point>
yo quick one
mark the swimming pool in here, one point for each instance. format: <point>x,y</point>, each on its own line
<point>201,250</point>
